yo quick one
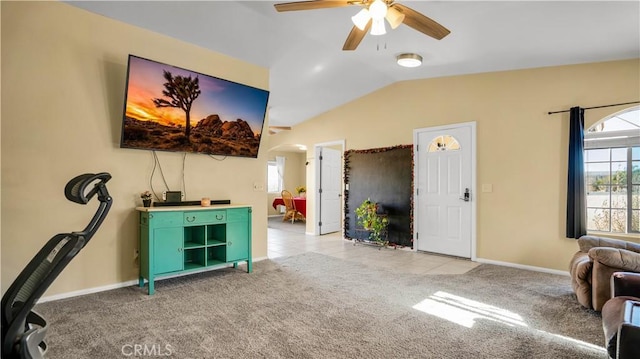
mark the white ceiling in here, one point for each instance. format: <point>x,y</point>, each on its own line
<point>310,74</point>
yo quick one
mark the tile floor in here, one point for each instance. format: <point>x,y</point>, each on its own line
<point>286,243</point>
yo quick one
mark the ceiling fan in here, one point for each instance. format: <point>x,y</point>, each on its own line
<point>372,17</point>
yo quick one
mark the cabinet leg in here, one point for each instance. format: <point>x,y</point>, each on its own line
<point>235,264</point>
<point>141,282</point>
<point>249,266</point>
<point>151,289</point>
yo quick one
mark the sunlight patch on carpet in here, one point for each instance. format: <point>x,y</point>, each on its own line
<point>465,312</point>
<point>580,343</point>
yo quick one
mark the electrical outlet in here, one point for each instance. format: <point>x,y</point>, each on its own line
<point>136,253</point>
<point>257,186</point>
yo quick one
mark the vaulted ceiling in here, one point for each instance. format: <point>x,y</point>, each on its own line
<point>310,74</point>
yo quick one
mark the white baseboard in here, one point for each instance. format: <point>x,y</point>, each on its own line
<point>76,293</point>
<point>129,283</point>
<point>522,266</point>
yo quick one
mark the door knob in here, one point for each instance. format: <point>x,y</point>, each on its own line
<point>467,195</point>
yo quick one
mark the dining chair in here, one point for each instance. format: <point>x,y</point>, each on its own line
<point>291,212</point>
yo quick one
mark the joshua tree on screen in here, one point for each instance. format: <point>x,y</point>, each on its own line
<point>182,91</point>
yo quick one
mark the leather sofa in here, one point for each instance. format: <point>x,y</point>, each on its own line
<point>620,317</point>
<point>592,266</point>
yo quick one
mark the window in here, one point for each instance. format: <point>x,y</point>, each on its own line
<point>444,143</point>
<point>274,184</point>
<point>612,173</point>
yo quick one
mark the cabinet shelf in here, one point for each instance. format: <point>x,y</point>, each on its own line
<point>191,245</point>
<point>214,242</point>
<point>194,256</point>
<point>214,262</point>
<point>192,266</point>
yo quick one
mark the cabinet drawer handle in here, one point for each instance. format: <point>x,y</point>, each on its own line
<point>191,219</point>
<point>219,217</point>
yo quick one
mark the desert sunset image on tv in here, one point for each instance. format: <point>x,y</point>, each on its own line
<point>168,108</point>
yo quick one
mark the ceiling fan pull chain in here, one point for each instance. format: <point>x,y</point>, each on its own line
<point>378,45</point>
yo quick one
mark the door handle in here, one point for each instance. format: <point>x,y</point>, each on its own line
<point>467,195</point>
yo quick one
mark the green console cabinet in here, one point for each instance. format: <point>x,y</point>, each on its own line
<point>177,240</point>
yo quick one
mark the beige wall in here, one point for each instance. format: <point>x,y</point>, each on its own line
<point>294,175</point>
<point>63,86</point>
<point>521,150</point>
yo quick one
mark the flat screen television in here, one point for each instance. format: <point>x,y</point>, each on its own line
<point>168,108</point>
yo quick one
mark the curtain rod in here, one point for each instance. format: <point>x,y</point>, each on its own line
<point>589,108</point>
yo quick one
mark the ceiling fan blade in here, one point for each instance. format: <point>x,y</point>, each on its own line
<point>422,23</point>
<point>310,5</point>
<point>355,37</point>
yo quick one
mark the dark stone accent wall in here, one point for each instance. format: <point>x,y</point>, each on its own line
<point>385,175</point>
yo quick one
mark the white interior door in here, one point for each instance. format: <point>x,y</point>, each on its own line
<point>329,189</point>
<point>445,190</point>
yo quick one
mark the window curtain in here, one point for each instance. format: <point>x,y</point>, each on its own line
<point>280,166</point>
<point>576,198</point>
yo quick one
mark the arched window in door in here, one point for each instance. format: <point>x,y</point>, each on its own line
<point>444,143</point>
<point>612,173</point>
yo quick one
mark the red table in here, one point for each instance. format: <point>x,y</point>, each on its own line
<point>299,202</point>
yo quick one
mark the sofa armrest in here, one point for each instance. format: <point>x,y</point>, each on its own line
<point>587,242</point>
<point>624,260</point>
<point>580,269</point>
<point>625,284</point>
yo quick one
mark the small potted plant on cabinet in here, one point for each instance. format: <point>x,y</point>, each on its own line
<point>146,198</point>
<point>302,191</point>
<point>372,221</point>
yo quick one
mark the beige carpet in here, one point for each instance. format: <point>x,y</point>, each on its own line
<point>315,306</point>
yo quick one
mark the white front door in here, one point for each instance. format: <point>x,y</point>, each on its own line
<point>445,190</point>
<point>329,189</point>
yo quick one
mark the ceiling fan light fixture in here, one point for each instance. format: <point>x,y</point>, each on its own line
<point>361,19</point>
<point>409,60</point>
<point>394,17</point>
<point>377,27</point>
<point>378,10</point>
